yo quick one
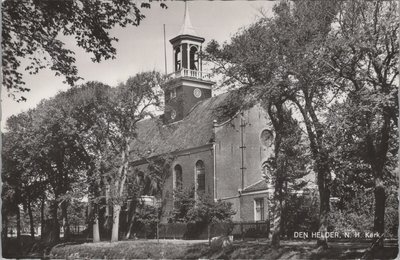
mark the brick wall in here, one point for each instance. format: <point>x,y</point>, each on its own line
<point>228,163</point>
<point>187,160</point>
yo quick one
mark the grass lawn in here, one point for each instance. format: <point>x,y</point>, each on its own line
<point>178,249</point>
<point>133,249</point>
<point>303,250</point>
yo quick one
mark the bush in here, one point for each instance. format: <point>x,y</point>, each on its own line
<point>198,214</point>
<point>146,219</point>
<point>300,214</point>
<point>202,211</point>
<point>353,215</point>
<point>357,214</point>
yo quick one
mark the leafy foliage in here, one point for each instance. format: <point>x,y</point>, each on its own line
<point>203,210</point>
<point>278,61</point>
<point>364,56</point>
<point>76,142</point>
<point>355,215</point>
<point>303,212</point>
<point>150,180</point>
<point>31,32</point>
<point>148,215</point>
<point>45,158</point>
<point>289,163</point>
<point>334,64</point>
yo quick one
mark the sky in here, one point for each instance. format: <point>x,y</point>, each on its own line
<point>142,48</point>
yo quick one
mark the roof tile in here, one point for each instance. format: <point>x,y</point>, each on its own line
<point>196,129</point>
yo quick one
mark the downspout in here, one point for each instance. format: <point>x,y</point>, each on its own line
<point>242,168</point>
<point>242,147</point>
<point>215,173</point>
<point>215,162</point>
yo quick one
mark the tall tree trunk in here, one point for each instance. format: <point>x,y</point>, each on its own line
<point>131,217</point>
<point>315,132</point>
<point>278,123</point>
<point>324,208</point>
<point>107,225</point>
<point>278,212</point>
<point>119,186</point>
<point>95,225</point>
<point>52,229</point>
<point>115,227</point>
<point>31,221</point>
<point>94,211</point>
<point>5,229</point>
<point>96,230</point>
<point>65,222</point>
<point>18,216</point>
<point>55,225</point>
<point>42,217</point>
<point>277,224</point>
<point>378,158</point>
<point>379,216</point>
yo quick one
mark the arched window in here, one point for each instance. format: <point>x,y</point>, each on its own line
<point>201,176</point>
<point>194,58</point>
<point>178,59</point>
<point>178,177</point>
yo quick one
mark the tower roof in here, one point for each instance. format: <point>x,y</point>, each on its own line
<point>187,31</point>
<point>187,28</point>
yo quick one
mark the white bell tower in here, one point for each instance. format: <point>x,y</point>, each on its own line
<point>188,84</point>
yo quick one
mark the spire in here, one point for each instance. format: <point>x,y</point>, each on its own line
<point>187,27</point>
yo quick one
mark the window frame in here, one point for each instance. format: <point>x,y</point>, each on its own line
<point>177,185</point>
<point>261,209</point>
<point>200,169</point>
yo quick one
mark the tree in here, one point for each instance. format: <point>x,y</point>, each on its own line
<point>287,166</point>
<point>11,177</point>
<point>11,192</point>
<point>363,53</point>
<point>103,122</point>
<point>57,154</point>
<point>24,183</point>
<point>88,109</point>
<point>132,101</point>
<point>31,30</point>
<point>280,57</point>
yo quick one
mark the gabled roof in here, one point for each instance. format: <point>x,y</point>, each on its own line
<point>195,130</point>
<point>258,186</point>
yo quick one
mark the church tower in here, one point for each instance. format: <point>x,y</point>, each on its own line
<point>188,84</point>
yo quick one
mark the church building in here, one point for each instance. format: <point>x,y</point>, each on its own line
<point>219,155</point>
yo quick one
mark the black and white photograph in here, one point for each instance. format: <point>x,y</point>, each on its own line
<point>195,129</point>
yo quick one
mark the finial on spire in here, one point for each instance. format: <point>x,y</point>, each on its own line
<point>187,27</point>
